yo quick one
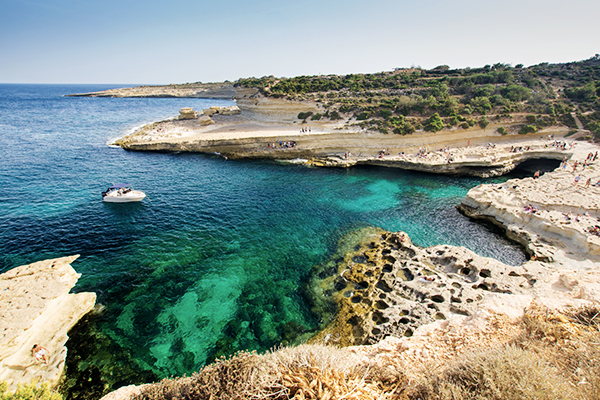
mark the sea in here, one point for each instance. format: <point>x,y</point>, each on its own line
<point>215,259</point>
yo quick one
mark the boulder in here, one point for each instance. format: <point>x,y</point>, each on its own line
<point>37,308</point>
<point>205,120</point>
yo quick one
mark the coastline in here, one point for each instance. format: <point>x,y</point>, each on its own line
<point>569,283</point>
<point>385,300</point>
<point>264,126</point>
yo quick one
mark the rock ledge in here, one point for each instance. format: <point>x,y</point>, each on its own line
<point>38,308</point>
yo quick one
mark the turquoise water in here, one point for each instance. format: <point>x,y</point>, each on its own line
<point>213,260</point>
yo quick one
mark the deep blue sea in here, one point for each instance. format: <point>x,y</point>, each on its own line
<point>212,261</point>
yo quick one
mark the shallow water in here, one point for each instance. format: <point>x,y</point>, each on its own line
<point>213,260</point>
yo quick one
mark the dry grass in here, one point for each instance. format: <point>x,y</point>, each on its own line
<point>554,357</point>
<point>303,372</point>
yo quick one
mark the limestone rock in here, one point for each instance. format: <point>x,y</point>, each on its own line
<point>232,110</point>
<point>389,287</point>
<point>552,211</point>
<point>187,113</point>
<point>205,120</point>
<point>37,308</point>
<point>211,111</point>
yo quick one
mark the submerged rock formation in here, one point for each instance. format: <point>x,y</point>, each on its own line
<point>37,308</point>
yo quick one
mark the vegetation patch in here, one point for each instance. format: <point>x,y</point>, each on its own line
<point>539,96</point>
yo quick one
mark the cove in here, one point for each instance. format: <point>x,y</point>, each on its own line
<point>214,260</point>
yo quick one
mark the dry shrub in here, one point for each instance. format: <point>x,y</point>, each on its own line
<point>556,357</point>
<point>324,372</point>
<point>570,341</point>
<point>303,372</point>
<point>506,373</point>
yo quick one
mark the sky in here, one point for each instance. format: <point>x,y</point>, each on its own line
<point>179,41</point>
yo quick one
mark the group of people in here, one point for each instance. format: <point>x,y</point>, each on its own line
<point>305,130</point>
<point>591,157</point>
<point>516,149</point>
<point>594,230</point>
<point>561,145</point>
<point>531,209</point>
<point>384,152</point>
<point>282,145</point>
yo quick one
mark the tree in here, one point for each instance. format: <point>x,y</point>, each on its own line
<point>583,94</point>
<point>481,104</point>
<point>434,123</point>
<point>515,93</point>
<point>483,122</point>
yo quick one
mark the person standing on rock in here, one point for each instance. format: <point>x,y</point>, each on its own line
<point>40,352</point>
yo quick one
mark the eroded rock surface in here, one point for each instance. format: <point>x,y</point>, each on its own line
<point>554,214</point>
<point>387,286</point>
<point>37,308</point>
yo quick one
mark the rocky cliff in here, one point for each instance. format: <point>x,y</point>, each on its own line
<point>37,308</point>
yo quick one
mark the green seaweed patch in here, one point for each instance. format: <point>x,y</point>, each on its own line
<point>96,365</point>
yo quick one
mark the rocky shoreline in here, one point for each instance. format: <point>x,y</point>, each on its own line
<point>385,286</point>
<point>383,290</point>
<point>37,308</point>
<point>268,129</point>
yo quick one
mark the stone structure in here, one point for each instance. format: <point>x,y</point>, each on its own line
<point>232,110</point>
<point>187,113</point>
<point>37,308</point>
<point>211,111</point>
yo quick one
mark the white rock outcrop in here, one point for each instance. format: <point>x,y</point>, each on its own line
<point>37,308</point>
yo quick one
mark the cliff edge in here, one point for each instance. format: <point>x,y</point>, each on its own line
<point>37,308</point>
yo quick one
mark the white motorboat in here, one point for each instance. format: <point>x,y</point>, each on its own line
<point>122,193</point>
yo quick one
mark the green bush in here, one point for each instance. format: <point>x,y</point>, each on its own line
<point>483,122</point>
<point>334,116</point>
<point>385,113</point>
<point>502,130</point>
<point>363,116</point>
<point>525,129</point>
<point>316,117</point>
<point>28,392</point>
<point>531,119</point>
<point>304,115</point>
<point>583,94</point>
<point>516,93</point>
<point>481,104</point>
<point>434,123</point>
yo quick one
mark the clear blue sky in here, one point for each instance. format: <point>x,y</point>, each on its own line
<point>161,42</point>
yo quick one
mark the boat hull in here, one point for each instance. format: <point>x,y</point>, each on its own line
<point>129,197</point>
